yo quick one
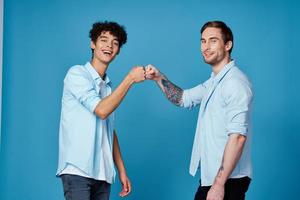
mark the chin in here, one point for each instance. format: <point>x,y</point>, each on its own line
<point>208,61</point>
<point>107,60</point>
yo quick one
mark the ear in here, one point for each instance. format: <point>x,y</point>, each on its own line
<point>228,45</point>
<point>93,46</point>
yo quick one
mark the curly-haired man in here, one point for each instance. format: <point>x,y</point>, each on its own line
<point>88,143</point>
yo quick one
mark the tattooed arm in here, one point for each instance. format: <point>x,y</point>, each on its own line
<point>232,154</point>
<point>172,91</point>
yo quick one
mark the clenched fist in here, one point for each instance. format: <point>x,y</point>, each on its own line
<point>137,74</point>
<point>152,73</point>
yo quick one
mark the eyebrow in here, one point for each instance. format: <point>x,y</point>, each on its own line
<point>211,38</point>
<point>103,36</point>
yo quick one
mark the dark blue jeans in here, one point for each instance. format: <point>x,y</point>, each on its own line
<point>81,188</point>
<point>235,189</point>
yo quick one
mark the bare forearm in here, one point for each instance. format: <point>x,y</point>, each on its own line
<point>172,91</point>
<point>232,154</point>
<point>117,155</point>
<point>108,104</point>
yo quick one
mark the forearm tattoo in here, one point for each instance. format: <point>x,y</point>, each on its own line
<point>172,91</point>
<point>221,169</point>
<point>220,172</point>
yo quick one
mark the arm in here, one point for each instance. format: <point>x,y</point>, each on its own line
<point>238,97</point>
<point>232,154</point>
<point>126,185</point>
<point>108,104</point>
<point>172,91</point>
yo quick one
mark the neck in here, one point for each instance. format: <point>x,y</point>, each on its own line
<point>216,68</point>
<point>99,66</point>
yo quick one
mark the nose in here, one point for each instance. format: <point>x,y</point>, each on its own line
<point>109,44</point>
<point>204,46</point>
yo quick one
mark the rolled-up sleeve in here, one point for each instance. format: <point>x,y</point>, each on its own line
<point>80,86</point>
<point>238,96</point>
<point>193,96</point>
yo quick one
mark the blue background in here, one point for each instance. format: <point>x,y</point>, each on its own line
<point>42,39</point>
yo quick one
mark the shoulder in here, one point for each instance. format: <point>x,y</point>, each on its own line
<point>235,79</point>
<point>237,84</point>
<point>77,70</point>
<point>77,73</point>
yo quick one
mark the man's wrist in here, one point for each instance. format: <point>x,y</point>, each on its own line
<point>160,78</point>
<point>219,181</point>
<point>129,79</point>
<point>122,172</point>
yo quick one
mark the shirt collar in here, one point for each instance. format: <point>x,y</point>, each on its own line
<point>95,74</point>
<point>223,72</point>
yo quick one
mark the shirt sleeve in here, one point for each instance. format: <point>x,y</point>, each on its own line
<point>238,96</point>
<point>193,96</point>
<point>81,88</point>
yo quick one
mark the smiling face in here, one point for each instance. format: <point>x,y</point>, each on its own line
<point>214,51</point>
<point>106,48</point>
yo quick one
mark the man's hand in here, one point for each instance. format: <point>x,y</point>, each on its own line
<point>172,91</point>
<point>126,185</point>
<point>152,73</point>
<point>216,192</point>
<point>137,74</point>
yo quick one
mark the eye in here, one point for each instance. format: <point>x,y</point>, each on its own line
<point>116,43</point>
<point>214,40</point>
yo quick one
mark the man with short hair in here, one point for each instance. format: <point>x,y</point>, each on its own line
<point>223,135</point>
<point>88,143</point>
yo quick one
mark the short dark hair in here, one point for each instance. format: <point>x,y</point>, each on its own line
<point>225,31</point>
<point>112,27</point>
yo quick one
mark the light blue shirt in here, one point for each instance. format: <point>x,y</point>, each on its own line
<point>225,108</point>
<point>85,140</point>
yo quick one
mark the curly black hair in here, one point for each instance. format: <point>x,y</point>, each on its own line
<point>112,27</point>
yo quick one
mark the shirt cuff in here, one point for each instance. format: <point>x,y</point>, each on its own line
<point>92,104</point>
<point>237,128</point>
